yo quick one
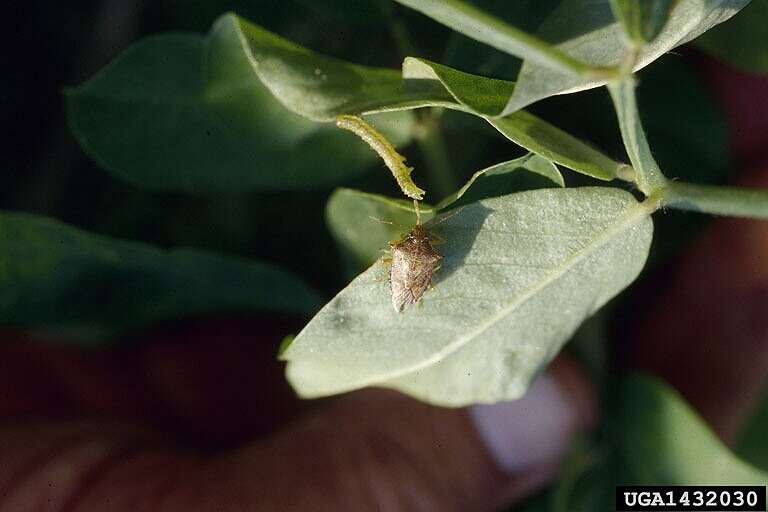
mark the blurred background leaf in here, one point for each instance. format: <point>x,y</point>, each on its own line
<point>183,112</point>
<point>743,42</point>
<point>61,279</point>
<point>650,436</point>
<point>751,444</point>
<point>664,442</point>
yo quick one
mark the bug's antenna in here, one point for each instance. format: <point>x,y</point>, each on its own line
<point>416,209</point>
<point>444,217</point>
<point>380,220</point>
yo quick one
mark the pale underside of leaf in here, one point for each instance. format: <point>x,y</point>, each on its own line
<point>519,274</point>
<point>603,44</point>
<point>530,162</point>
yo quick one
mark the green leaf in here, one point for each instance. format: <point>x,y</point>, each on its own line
<point>588,31</point>
<point>752,444</point>
<point>183,112</point>
<point>642,20</point>
<point>744,41</point>
<point>59,277</point>
<point>478,24</point>
<point>664,442</point>
<point>552,143</point>
<point>648,176</point>
<point>497,174</point>
<point>320,87</point>
<point>519,273</point>
<point>480,95</point>
<point>159,118</point>
<point>363,223</point>
<point>486,97</point>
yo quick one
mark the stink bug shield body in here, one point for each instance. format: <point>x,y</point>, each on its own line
<point>413,263</point>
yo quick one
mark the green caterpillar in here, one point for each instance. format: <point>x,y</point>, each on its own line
<point>394,160</point>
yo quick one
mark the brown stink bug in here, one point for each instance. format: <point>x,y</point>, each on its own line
<point>414,260</point>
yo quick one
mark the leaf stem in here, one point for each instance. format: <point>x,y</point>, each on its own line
<point>631,54</point>
<point>648,176</point>
<point>717,200</point>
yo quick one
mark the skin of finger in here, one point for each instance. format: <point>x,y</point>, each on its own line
<point>705,330</point>
<point>211,382</point>
<point>371,450</point>
<point>374,450</point>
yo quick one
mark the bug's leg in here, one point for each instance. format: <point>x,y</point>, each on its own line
<point>436,239</point>
<point>382,221</point>
<point>440,219</point>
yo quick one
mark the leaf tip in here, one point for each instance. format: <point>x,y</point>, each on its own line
<point>285,344</point>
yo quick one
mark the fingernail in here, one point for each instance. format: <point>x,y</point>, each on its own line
<point>533,430</point>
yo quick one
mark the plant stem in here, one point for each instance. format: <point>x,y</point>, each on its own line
<point>432,145</point>
<point>649,177</point>
<point>731,201</point>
